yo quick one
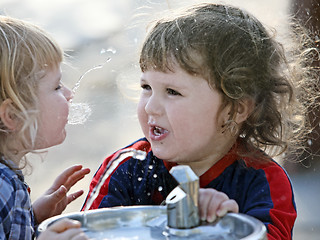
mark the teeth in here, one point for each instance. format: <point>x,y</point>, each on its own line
<point>157,131</point>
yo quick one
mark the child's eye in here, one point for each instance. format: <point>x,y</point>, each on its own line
<point>146,87</point>
<point>59,86</point>
<point>173,92</point>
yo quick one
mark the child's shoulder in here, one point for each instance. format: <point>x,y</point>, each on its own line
<point>7,174</point>
<point>263,163</point>
<point>268,167</point>
<point>141,144</point>
<point>10,184</point>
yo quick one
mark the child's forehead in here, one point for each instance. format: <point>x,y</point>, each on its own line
<point>44,69</point>
<point>174,77</point>
<point>188,60</point>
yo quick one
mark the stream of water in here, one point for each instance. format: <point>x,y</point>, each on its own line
<point>79,113</point>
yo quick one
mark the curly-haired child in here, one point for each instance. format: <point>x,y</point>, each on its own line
<point>220,95</point>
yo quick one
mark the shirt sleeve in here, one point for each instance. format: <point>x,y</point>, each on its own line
<point>117,188</point>
<point>113,192</point>
<point>272,202</point>
<point>15,211</point>
<point>283,214</point>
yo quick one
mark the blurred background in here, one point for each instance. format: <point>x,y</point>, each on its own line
<point>109,34</point>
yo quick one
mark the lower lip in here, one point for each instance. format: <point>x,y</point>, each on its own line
<point>154,137</point>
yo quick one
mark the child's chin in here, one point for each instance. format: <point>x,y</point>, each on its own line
<point>57,142</point>
<point>161,154</point>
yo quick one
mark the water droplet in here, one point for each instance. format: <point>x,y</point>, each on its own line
<point>148,194</point>
<point>77,85</point>
<point>309,142</point>
<point>139,179</point>
<point>140,155</point>
<point>155,175</point>
<point>160,188</point>
<point>79,113</point>
<point>109,50</point>
<point>150,167</point>
<point>108,60</point>
<point>112,50</point>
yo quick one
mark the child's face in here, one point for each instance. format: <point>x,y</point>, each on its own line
<point>178,114</point>
<point>54,100</point>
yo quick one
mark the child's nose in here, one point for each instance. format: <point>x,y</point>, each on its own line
<point>153,106</point>
<point>68,93</point>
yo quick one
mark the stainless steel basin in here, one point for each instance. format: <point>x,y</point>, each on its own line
<point>150,222</point>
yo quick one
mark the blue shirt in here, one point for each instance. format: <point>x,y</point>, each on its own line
<point>16,214</point>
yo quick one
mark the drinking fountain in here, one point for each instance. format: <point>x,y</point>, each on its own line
<point>178,219</point>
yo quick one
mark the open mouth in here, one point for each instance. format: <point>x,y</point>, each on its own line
<point>157,133</point>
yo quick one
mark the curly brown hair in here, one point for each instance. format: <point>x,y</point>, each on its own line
<point>241,59</point>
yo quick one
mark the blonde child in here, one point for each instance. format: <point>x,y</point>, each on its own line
<point>34,107</point>
<point>218,93</point>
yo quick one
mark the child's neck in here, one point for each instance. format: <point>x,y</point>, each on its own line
<point>203,165</point>
<point>200,167</point>
<point>16,153</point>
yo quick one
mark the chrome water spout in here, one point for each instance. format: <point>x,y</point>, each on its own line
<point>122,155</point>
<point>182,202</point>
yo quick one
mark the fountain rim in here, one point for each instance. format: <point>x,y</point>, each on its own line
<point>259,229</point>
<point>79,215</point>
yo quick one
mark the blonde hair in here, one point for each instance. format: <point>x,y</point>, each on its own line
<point>238,57</point>
<point>26,52</point>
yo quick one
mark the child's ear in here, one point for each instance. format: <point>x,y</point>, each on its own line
<point>6,115</point>
<point>245,108</point>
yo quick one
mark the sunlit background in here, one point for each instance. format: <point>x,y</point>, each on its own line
<point>109,33</point>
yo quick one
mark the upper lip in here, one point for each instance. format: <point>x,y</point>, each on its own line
<point>151,123</point>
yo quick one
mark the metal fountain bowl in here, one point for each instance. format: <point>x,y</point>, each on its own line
<point>150,222</point>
